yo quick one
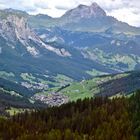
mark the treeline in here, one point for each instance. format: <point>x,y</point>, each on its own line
<point>90,119</point>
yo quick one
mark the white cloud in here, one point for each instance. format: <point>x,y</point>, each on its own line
<point>128,15</point>
<point>124,10</point>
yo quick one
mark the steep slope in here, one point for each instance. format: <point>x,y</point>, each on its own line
<point>117,51</point>
<point>14,28</point>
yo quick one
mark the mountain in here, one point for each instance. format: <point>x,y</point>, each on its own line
<point>96,35</point>
<point>94,19</point>
<point>86,19</point>
<point>15,29</point>
<point>104,48</point>
<point>82,12</point>
<point>79,62</point>
<point>40,53</point>
<point>34,63</point>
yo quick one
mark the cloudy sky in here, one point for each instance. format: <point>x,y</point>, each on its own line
<point>123,10</point>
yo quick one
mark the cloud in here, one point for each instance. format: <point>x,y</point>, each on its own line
<point>128,15</point>
<point>124,10</point>
<point>42,6</point>
<point>62,7</point>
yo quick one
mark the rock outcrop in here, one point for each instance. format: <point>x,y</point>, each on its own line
<point>15,28</point>
<point>83,11</point>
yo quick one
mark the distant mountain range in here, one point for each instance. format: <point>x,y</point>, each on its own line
<point>85,19</point>
<point>40,52</point>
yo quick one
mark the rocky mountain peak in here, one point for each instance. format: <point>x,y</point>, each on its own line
<point>95,5</point>
<point>97,10</point>
<point>83,11</point>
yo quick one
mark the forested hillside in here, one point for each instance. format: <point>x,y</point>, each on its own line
<point>90,119</point>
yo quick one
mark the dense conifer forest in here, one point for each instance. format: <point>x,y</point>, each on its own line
<point>90,119</point>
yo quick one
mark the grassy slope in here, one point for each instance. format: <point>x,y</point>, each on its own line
<point>120,84</point>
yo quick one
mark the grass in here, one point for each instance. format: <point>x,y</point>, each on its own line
<point>88,88</point>
<point>6,75</point>
<point>119,95</point>
<point>76,91</point>
<point>58,80</point>
<point>28,77</point>
<point>95,72</point>
<point>113,59</point>
<point>13,93</point>
<point>13,111</point>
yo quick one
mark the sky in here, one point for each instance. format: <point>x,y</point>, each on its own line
<point>124,10</point>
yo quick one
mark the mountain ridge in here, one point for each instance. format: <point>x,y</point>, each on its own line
<point>93,14</point>
<point>87,19</point>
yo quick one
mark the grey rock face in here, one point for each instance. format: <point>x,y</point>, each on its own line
<point>15,28</point>
<point>83,11</point>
